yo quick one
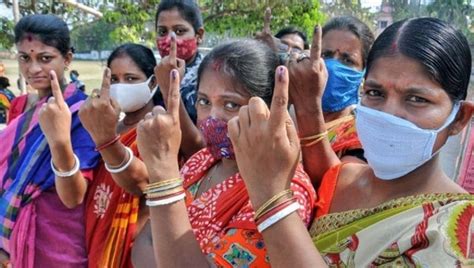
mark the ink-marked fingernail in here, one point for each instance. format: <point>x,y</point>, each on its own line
<point>281,72</point>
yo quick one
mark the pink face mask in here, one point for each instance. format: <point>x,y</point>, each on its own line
<point>217,141</point>
<point>185,48</point>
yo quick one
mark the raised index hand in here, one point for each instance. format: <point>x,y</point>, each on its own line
<point>258,131</point>
<point>159,135</point>
<point>55,117</point>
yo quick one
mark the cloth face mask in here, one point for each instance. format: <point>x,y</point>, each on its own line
<point>132,97</point>
<point>394,146</point>
<point>216,136</point>
<point>342,88</point>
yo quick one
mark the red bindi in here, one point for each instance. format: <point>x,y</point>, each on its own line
<point>394,47</point>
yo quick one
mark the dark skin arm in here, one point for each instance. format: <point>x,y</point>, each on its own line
<point>99,117</point>
<point>192,140</point>
<point>254,133</point>
<point>308,79</point>
<point>55,122</point>
<point>159,138</point>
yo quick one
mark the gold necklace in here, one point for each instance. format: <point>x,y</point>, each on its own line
<point>208,181</point>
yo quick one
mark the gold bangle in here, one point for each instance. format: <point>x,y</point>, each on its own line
<point>274,204</point>
<point>314,137</point>
<point>271,200</point>
<point>159,184</point>
<point>315,141</point>
<point>165,193</point>
<point>163,188</point>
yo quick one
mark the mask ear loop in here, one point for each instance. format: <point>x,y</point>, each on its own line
<point>451,117</point>
<point>449,120</point>
<point>153,90</point>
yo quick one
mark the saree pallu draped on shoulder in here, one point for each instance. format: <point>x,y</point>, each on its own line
<point>25,173</point>
<point>430,230</point>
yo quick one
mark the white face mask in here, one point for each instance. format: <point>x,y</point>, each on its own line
<point>132,97</point>
<point>394,146</point>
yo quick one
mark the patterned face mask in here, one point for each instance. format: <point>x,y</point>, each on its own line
<point>185,48</point>
<point>215,134</point>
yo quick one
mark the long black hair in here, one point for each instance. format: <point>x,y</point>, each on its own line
<point>441,49</point>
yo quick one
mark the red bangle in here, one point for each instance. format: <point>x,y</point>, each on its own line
<point>107,144</point>
<point>275,210</point>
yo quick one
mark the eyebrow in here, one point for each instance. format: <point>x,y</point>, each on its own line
<point>412,90</point>
<point>420,90</point>
<point>372,83</point>
<point>39,54</point>
<point>225,95</point>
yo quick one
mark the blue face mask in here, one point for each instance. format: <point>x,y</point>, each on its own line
<point>342,88</point>
<point>73,77</point>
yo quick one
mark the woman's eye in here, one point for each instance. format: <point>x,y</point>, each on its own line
<point>232,106</point>
<point>46,58</point>
<point>347,61</point>
<point>326,55</point>
<point>161,32</point>
<point>417,99</point>
<point>23,58</point>
<point>180,31</point>
<point>373,93</point>
<point>130,79</point>
<point>202,102</point>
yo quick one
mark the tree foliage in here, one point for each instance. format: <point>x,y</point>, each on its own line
<point>349,8</point>
<point>93,36</point>
<point>134,21</point>
<point>244,18</point>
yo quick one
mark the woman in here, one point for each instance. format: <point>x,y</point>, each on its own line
<point>114,216</point>
<point>346,42</point>
<point>400,209</point>
<point>46,158</point>
<point>183,18</point>
<point>217,218</point>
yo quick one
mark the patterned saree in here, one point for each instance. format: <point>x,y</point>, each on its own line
<point>111,217</point>
<point>25,173</point>
<point>428,230</point>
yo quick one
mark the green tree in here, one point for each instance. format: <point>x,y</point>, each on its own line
<point>134,21</point>
<point>349,8</point>
<point>458,13</point>
<point>93,36</point>
<point>244,18</point>
<point>7,36</point>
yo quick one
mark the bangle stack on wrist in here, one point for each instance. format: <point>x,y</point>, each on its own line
<point>164,192</point>
<point>312,140</point>
<point>275,209</point>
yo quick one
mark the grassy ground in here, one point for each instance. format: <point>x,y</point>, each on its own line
<point>90,72</point>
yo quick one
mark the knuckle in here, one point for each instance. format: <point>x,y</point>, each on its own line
<point>280,101</point>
